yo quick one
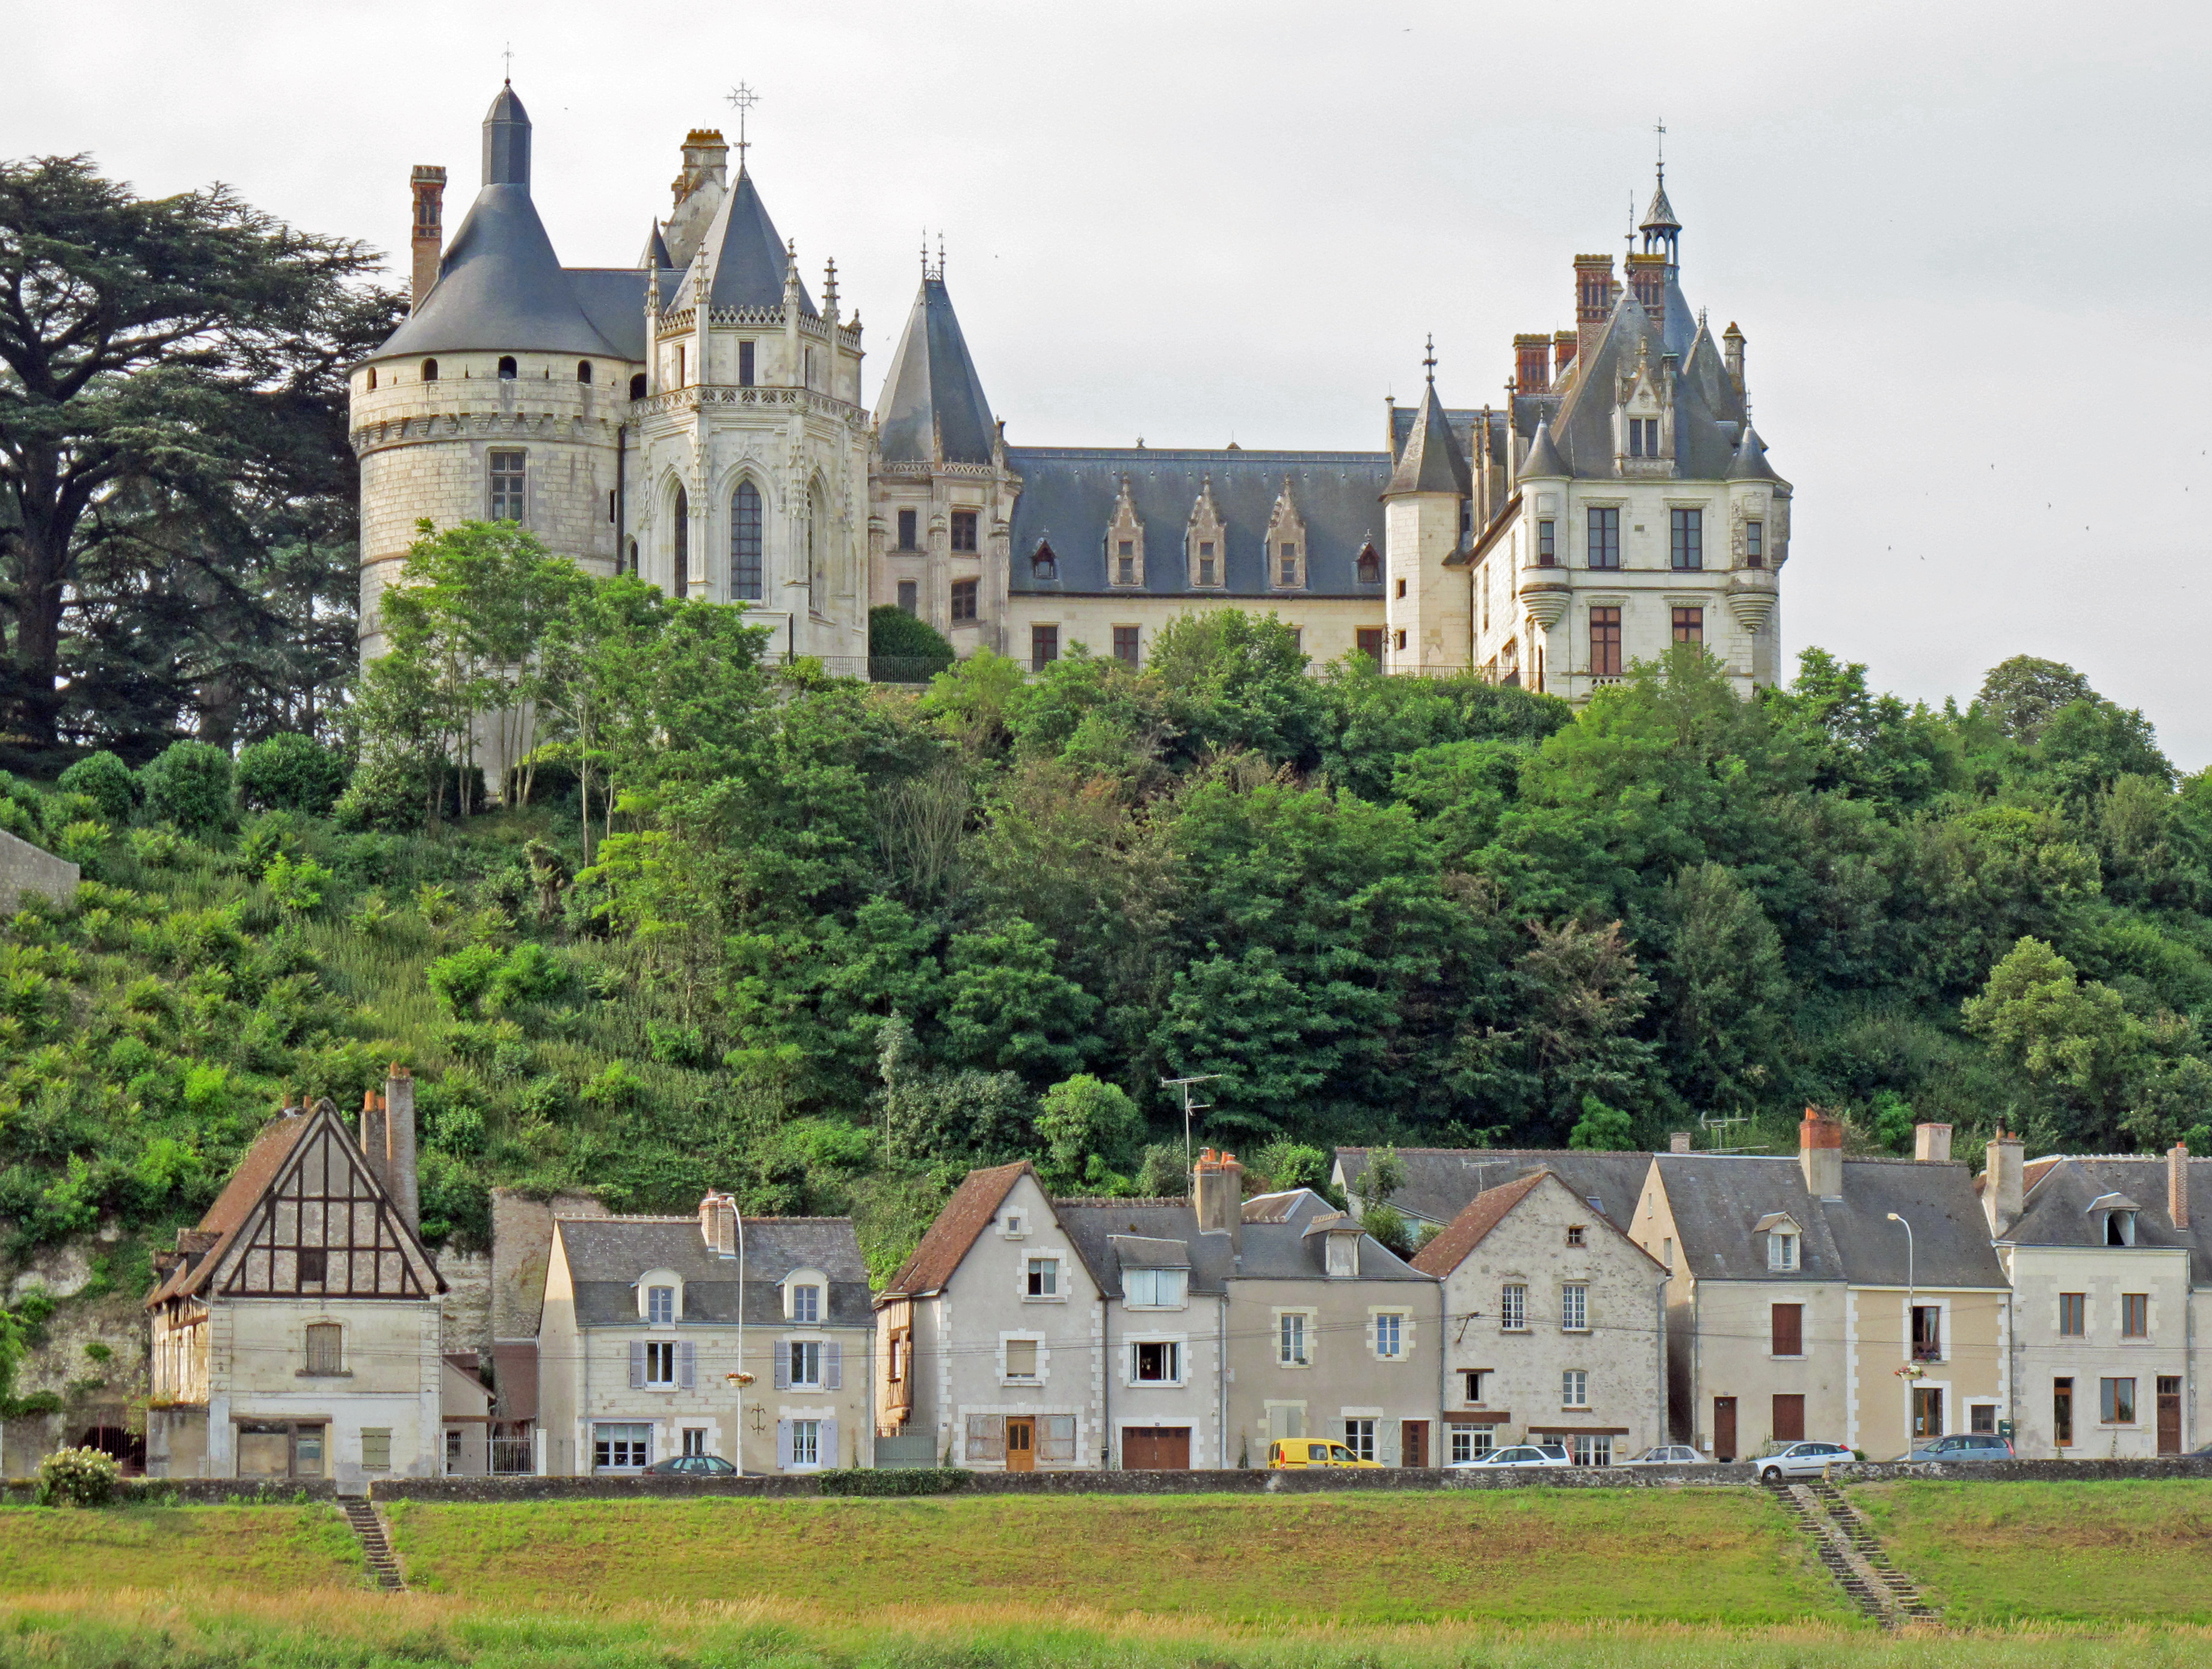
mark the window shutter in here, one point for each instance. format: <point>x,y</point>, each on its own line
<point>783,1446</point>
<point>827,1454</point>
<point>637,1364</point>
<point>686,1370</point>
<point>783,1367</point>
<point>832,1370</point>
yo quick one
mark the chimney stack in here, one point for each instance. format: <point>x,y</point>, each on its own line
<point>718,1223</point>
<point>430,184</point>
<point>1679,1142</point>
<point>375,1137</point>
<point>1532,370</point>
<point>2003,1181</point>
<point>399,1162</point>
<point>2176,1184</point>
<point>1931,1143</point>
<point>1593,301</point>
<point>1563,343</point>
<point>1221,1197</point>
<point>1732,354</point>
<point>1821,1154</point>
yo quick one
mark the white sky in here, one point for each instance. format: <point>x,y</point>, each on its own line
<point>1966,240</point>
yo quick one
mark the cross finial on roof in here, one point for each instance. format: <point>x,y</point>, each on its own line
<point>508,55</point>
<point>1429,358</point>
<point>742,99</point>
<point>1660,128</point>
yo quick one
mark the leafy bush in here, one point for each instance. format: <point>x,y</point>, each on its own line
<point>894,1480</point>
<point>105,779</point>
<point>296,886</point>
<point>388,792</point>
<point>463,980</point>
<point>291,772</point>
<point>157,849</point>
<point>902,648</point>
<point>189,784</point>
<point>77,1477</point>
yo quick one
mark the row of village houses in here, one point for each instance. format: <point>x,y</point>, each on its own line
<point>1606,1302</point>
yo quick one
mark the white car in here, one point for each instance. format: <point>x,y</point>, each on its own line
<point>1669,1454</point>
<point>1781,1461</point>
<point>1519,1454</point>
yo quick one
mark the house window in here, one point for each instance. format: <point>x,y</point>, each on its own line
<point>1011,1224</point>
<point>2119,1228</point>
<point>1368,568</point>
<point>1389,1337</point>
<point>314,1264</point>
<point>1547,545</point>
<point>1125,563</point>
<point>683,542</point>
<point>1574,1388</point>
<point>1592,1449</point>
<point>1754,545</point>
<point>1401,587</point>
<point>2135,1315</point>
<point>1125,645</point>
<point>507,486</point>
<point>507,370</point>
<point>805,1442</point>
<point>1513,1308</point>
<point>1788,1330</point>
<point>1575,1235</point>
<point>1021,1359</point>
<point>1604,550</point>
<point>660,1305</point>
<point>895,1358</point>
<point>963,599</point>
<point>745,364</point>
<point>1472,1379</point>
<point>1689,625</point>
<point>1368,640</point>
<point>1686,539</point>
<point>910,597</point>
<point>2061,1412</point>
<point>1927,1332</point>
<point>745,543</point>
<point>1155,1362</point>
<point>2117,1402</point>
<point>1788,1418</point>
<point>1043,1280</point>
<point>1574,1307</point>
<point>1605,643</point>
<point>1782,1250</point>
<point>618,1447</point>
<point>583,370</point>
<point>660,1363</point>
<point>1471,1442</point>
<point>1290,1342</point>
<point>1207,563</point>
<point>2073,1315</point>
<point>1044,564</point>
<point>1359,1438</point>
<point>637,386</point>
<point>963,530</point>
<point>907,519</point>
<point>1982,1416</point>
<point>695,1439</point>
<point>806,1304</point>
<point>376,1447</point>
<point>430,370</point>
<point>803,1358</point>
<point>325,1346</point>
<point>1153,1288</point>
<point>1044,647</point>
<point>1287,569</point>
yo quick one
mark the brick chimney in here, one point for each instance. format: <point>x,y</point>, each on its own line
<point>718,1223</point>
<point>1593,301</point>
<point>1221,1195</point>
<point>1821,1154</point>
<point>429,184</point>
<point>399,1145</point>
<point>1679,1142</point>
<point>2004,1178</point>
<point>1532,370</point>
<point>375,1137</point>
<point>1563,343</point>
<point>1931,1143</point>
<point>2176,1184</point>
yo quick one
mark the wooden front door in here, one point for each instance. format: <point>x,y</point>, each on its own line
<point>1413,1443</point>
<point>1927,1412</point>
<point>1021,1445</point>
<point>1155,1448</point>
<point>1724,1427</point>
<point>2169,1414</point>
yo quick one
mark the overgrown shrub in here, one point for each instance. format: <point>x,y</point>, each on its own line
<point>189,784</point>
<point>77,1477</point>
<point>291,772</point>
<point>388,792</point>
<point>902,648</point>
<point>104,779</point>
<point>894,1480</point>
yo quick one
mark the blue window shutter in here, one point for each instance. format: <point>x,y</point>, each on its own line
<point>687,1368</point>
<point>783,1446</point>
<point>637,1364</point>
<point>783,1367</point>
<point>827,1453</point>
<point>833,1373</point>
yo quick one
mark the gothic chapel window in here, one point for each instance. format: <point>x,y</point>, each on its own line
<point>682,587</point>
<point>745,543</point>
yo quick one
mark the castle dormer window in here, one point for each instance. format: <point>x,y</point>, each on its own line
<point>1644,437</point>
<point>507,370</point>
<point>1044,564</point>
<point>1287,543</point>
<point>430,370</point>
<point>1209,563</point>
<point>1369,567</point>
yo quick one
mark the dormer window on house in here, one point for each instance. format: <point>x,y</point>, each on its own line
<point>660,1305</point>
<point>806,1304</point>
<point>1343,1256</point>
<point>1369,567</point>
<point>963,531</point>
<point>1288,564</point>
<point>1125,562</point>
<point>1644,437</point>
<point>1044,564</point>
<point>1154,1288</point>
<point>1209,566</point>
<point>2119,1228</point>
<point>909,522</point>
<point>1782,1250</point>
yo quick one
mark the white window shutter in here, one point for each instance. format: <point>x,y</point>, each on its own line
<point>782,1366</point>
<point>637,1364</point>
<point>827,1454</point>
<point>833,1371</point>
<point>687,1369</point>
<point>783,1446</point>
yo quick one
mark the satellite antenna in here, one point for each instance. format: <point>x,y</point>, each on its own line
<point>1189,1108</point>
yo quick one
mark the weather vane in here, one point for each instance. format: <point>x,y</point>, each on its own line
<point>508,54</point>
<point>1660,128</point>
<point>742,99</point>
<point>1429,356</point>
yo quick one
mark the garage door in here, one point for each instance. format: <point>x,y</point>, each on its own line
<point>1155,1448</point>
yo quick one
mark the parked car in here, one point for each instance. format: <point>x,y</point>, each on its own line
<point>1668,1454</point>
<point>1518,1455</point>
<point>1964,1446</point>
<point>1779,1461</point>
<point>1313,1452</point>
<point>692,1466</point>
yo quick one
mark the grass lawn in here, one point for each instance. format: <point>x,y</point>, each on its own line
<point>241,1549</point>
<point>1522,1555</point>
<point>2131,1550</point>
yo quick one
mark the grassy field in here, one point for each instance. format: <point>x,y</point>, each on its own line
<point>237,1550</point>
<point>2003,1552</point>
<point>1519,1556</point>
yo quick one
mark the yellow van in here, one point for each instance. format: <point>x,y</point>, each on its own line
<point>1312,1452</point>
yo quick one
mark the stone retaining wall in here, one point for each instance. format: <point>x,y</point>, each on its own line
<point>2021,1471</point>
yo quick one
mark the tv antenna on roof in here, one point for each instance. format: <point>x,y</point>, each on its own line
<point>1189,1108</point>
<point>1719,1125</point>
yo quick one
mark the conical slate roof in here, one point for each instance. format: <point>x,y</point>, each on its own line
<point>1431,460</point>
<point>654,257</point>
<point>744,254</point>
<point>1750,463</point>
<point>932,398</point>
<point>1660,216</point>
<point>1544,457</point>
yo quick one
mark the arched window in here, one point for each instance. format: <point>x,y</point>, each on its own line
<point>683,584</point>
<point>583,370</point>
<point>1370,566</point>
<point>745,544</point>
<point>632,568</point>
<point>430,370</point>
<point>372,383</point>
<point>507,367</point>
<point>637,386</point>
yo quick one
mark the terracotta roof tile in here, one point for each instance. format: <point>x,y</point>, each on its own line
<point>234,1208</point>
<point>1464,1233</point>
<point>973,1204</point>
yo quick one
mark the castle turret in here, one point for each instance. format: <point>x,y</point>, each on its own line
<point>1427,605</point>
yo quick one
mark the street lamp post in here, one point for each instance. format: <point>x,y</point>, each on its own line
<point>1912,1362</point>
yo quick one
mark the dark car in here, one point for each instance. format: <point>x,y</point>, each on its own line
<point>692,1466</point>
<point>1965,1446</point>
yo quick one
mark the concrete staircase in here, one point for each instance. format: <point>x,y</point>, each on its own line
<point>1852,1555</point>
<point>376,1550</point>
<point>1911,1604</point>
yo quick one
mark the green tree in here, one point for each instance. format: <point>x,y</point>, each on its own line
<point>1601,1128</point>
<point>190,785</point>
<point>1723,995</point>
<point>2071,1039</point>
<point>1090,1130</point>
<point>2023,693</point>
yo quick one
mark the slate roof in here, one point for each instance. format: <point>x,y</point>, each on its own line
<point>1068,495</point>
<point>1543,457</point>
<point>1430,460</point>
<point>747,259</point>
<point>1660,216</point>
<point>1440,1181</point>
<point>2061,1191</point>
<point>974,1203</point>
<point>1110,1235</point>
<point>1717,1199</point>
<point>613,299</point>
<point>932,407</point>
<point>1708,410</point>
<point>1749,463</point>
<point>606,1255</point>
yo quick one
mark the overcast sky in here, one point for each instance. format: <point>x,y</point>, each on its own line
<point>1967,243</point>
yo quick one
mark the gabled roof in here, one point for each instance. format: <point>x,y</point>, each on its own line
<point>234,1208</point>
<point>932,409</point>
<point>747,259</point>
<point>1431,461</point>
<point>2063,1191</point>
<point>1486,1211</point>
<point>1440,1181</point>
<point>606,1255</point>
<point>974,1203</point>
